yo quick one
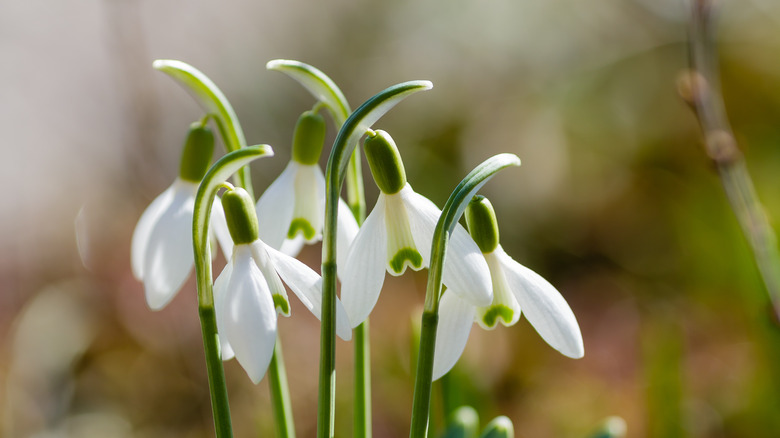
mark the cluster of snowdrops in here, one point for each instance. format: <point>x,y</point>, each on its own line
<point>471,278</point>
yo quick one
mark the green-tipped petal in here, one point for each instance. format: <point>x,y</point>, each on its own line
<point>504,308</point>
<point>500,427</point>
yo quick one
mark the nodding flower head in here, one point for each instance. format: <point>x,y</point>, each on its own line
<point>398,234</point>
<point>249,292</point>
<point>515,288</point>
<point>161,250</point>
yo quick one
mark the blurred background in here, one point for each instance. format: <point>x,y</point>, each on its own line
<point>615,203</point>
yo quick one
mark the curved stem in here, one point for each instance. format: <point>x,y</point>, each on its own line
<point>280,394</point>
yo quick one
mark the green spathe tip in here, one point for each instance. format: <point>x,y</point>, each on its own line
<point>197,153</point>
<point>482,223</point>
<point>308,139</point>
<point>240,215</point>
<point>385,162</point>
<point>500,427</point>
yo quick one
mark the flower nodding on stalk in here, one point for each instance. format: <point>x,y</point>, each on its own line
<point>249,293</point>
<point>515,287</point>
<point>161,251</point>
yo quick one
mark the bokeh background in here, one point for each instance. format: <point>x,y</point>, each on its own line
<point>615,204</point>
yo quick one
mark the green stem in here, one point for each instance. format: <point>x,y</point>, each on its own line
<point>217,385</point>
<point>424,379</point>
<point>280,394</point>
<point>326,412</point>
<point>362,415</point>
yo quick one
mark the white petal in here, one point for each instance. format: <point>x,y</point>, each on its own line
<point>249,315</point>
<point>275,207</point>
<point>169,259</point>
<point>465,270</point>
<point>220,292</point>
<point>220,230</point>
<point>544,307</point>
<point>307,286</point>
<point>347,229</point>
<point>267,268</point>
<point>456,317</point>
<point>144,228</point>
<point>292,247</point>
<point>364,269</point>
<point>309,200</point>
<point>402,249</point>
<point>504,303</point>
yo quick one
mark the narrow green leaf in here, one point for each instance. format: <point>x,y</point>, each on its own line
<point>318,83</point>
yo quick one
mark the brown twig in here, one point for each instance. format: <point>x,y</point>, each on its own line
<point>700,88</point>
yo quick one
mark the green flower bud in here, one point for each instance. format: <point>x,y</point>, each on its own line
<point>482,223</point>
<point>308,138</point>
<point>196,156</point>
<point>240,215</point>
<point>462,423</point>
<point>385,162</point>
<point>500,427</point>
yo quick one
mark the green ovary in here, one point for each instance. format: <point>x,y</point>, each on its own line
<point>399,261</point>
<point>281,304</point>
<point>301,225</point>
<point>490,318</point>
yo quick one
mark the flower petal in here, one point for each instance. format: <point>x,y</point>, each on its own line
<point>504,308</point>
<point>364,269</point>
<point>307,286</point>
<point>465,269</point>
<point>220,292</point>
<point>144,228</point>
<point>267,268</point>
<point>544,307</point>
<point>346,231</point>
<point>168,259</point>
<point>219,229</point>
<point>309,203</point>
<point>292,247</point>
<point>456,317</point>
<point>275,207</point>
<point>249,315</point>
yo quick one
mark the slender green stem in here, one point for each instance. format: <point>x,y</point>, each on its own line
<point>217,385</point>
<point>362,415</point>
<point>280,394</point>
<point>326,412</point>
<point>424,375</point>
<point>450,215</point>
<point>701,88</point>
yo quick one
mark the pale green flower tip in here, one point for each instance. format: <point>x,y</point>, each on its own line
<point>301,226</point>
<point>500,427</point>
<point>385,162</point>
<point>406,257</point>
<point>197,152</point>
<point>494,312</point>
<point>463,423</point>
<point>308,139</point>
<point>240,215</point>
<point>611,427</point>
<point>482,224</point>
<point>281,304</point>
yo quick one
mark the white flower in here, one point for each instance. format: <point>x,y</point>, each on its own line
<point>515,287</point>
<point>249,292</point>
<point>398,233</point>
<point>161,250</point>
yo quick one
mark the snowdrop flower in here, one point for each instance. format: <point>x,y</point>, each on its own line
<point>161,250</point>
<point>398,234</point>
<point>515,287</point>
<point>249,292</point>
<point>292,210</point>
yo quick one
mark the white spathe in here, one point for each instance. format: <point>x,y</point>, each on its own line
<point>541,303</point>
<point>161,249</point>
<point>465,269</point>
<point>244,303</point>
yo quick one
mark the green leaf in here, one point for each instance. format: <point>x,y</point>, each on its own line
<point>318,83</point>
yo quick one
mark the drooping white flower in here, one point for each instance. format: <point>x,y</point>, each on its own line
<point>515,288</point>
<point>398,233</point>
<point>291,211</point>
<point>161,249</point>
<point>249,292</point>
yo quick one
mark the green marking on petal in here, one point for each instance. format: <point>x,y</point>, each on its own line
<point>301,225</point>
<point>398,263</point>
<point>281,304</point>
<point>490,318</point>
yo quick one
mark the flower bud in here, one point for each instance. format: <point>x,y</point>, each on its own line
<point>482,223</point>
<point>308,138</point>
<point>462,423</point>
<point>240,215</point>
<point>385,162</point>
<point>500,427</point>
<point>196,156</point>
